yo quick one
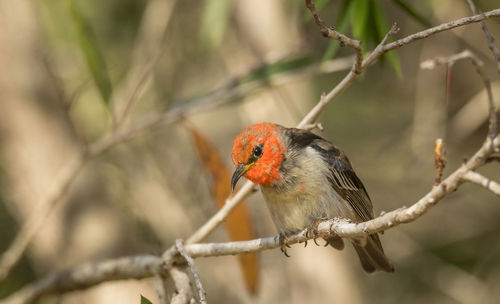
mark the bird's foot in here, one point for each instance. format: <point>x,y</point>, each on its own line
<point>283,240</point>
<point>312,232</point>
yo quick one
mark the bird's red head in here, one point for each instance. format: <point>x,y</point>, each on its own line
<point>257,154</point>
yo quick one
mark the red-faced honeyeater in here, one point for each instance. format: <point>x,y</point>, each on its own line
<point>304,179</point>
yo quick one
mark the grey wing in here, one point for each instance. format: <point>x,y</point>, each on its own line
<point>344,180</point>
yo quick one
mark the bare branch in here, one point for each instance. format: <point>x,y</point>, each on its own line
<point>478,64</point>
<point>483,181</point>
<point>438,29</point>
<point>489,38</point>
<point>87,275</point>
<point>221,215</point>
<point>161,290</point>
<point>311,127</point>
<point>344,84</point>
<point>201,292</point>
<point>329,32</point>
<point>183,290</point>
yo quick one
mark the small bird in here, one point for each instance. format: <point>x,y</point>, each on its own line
<point>305,179</point>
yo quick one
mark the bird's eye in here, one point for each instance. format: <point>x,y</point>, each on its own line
<point>257,151</point>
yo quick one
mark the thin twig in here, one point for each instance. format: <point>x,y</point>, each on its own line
<point>87,275</point>
<point>160,289</point>
<point>201,292</point>
<point>346,82</point>
<point>438,29</point>
<point>183,293</point>
<point>311,127</point>
<point>489,38</point>
<point>478,64</point>
<point>329,32</point>
<point>483,181</point>
<point>221,215</point>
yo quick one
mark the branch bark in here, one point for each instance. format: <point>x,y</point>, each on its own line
<point>489,38</point>
<point>483,181</point>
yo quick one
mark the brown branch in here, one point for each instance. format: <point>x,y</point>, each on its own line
<point>438,29</point>
<point>87,275</point>
<point>179,245</point>
<point>489,38</point>
<point>329,32</point>
<point>483,181</point>
<point>182,286</point>
<point>161,290</point>
<point>478,64</point>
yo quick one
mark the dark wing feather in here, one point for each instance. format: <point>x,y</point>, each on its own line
<point>344,180</point>
<point>346,183</point>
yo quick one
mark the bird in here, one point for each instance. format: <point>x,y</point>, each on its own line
<point>306,179</point>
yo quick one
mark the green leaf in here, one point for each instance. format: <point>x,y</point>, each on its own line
<point>382,28</point>
<point>393,59</point>
<point>86,40</point>
<point>412,12</point>
<point>214,21</point>
<point>145,300</point>
<point>280,67</point>
<point>359,17</point>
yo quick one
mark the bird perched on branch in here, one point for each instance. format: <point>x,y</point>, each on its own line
<point>305,179</point>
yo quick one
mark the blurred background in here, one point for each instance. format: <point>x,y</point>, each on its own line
<point>73,72</point>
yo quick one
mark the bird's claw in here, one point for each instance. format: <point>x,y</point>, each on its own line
<point>283,244</point>
<point>312,231</point>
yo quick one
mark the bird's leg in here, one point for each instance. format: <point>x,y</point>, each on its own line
<point>283,244</point>
<point>312,231</point>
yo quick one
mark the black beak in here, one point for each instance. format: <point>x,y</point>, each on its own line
<point>241,169</point>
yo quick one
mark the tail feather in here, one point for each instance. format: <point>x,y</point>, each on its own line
<point>372,256</point>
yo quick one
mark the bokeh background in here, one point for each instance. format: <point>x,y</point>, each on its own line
<point>69,67</point>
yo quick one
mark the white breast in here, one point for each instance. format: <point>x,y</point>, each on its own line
<point>306,196</point>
